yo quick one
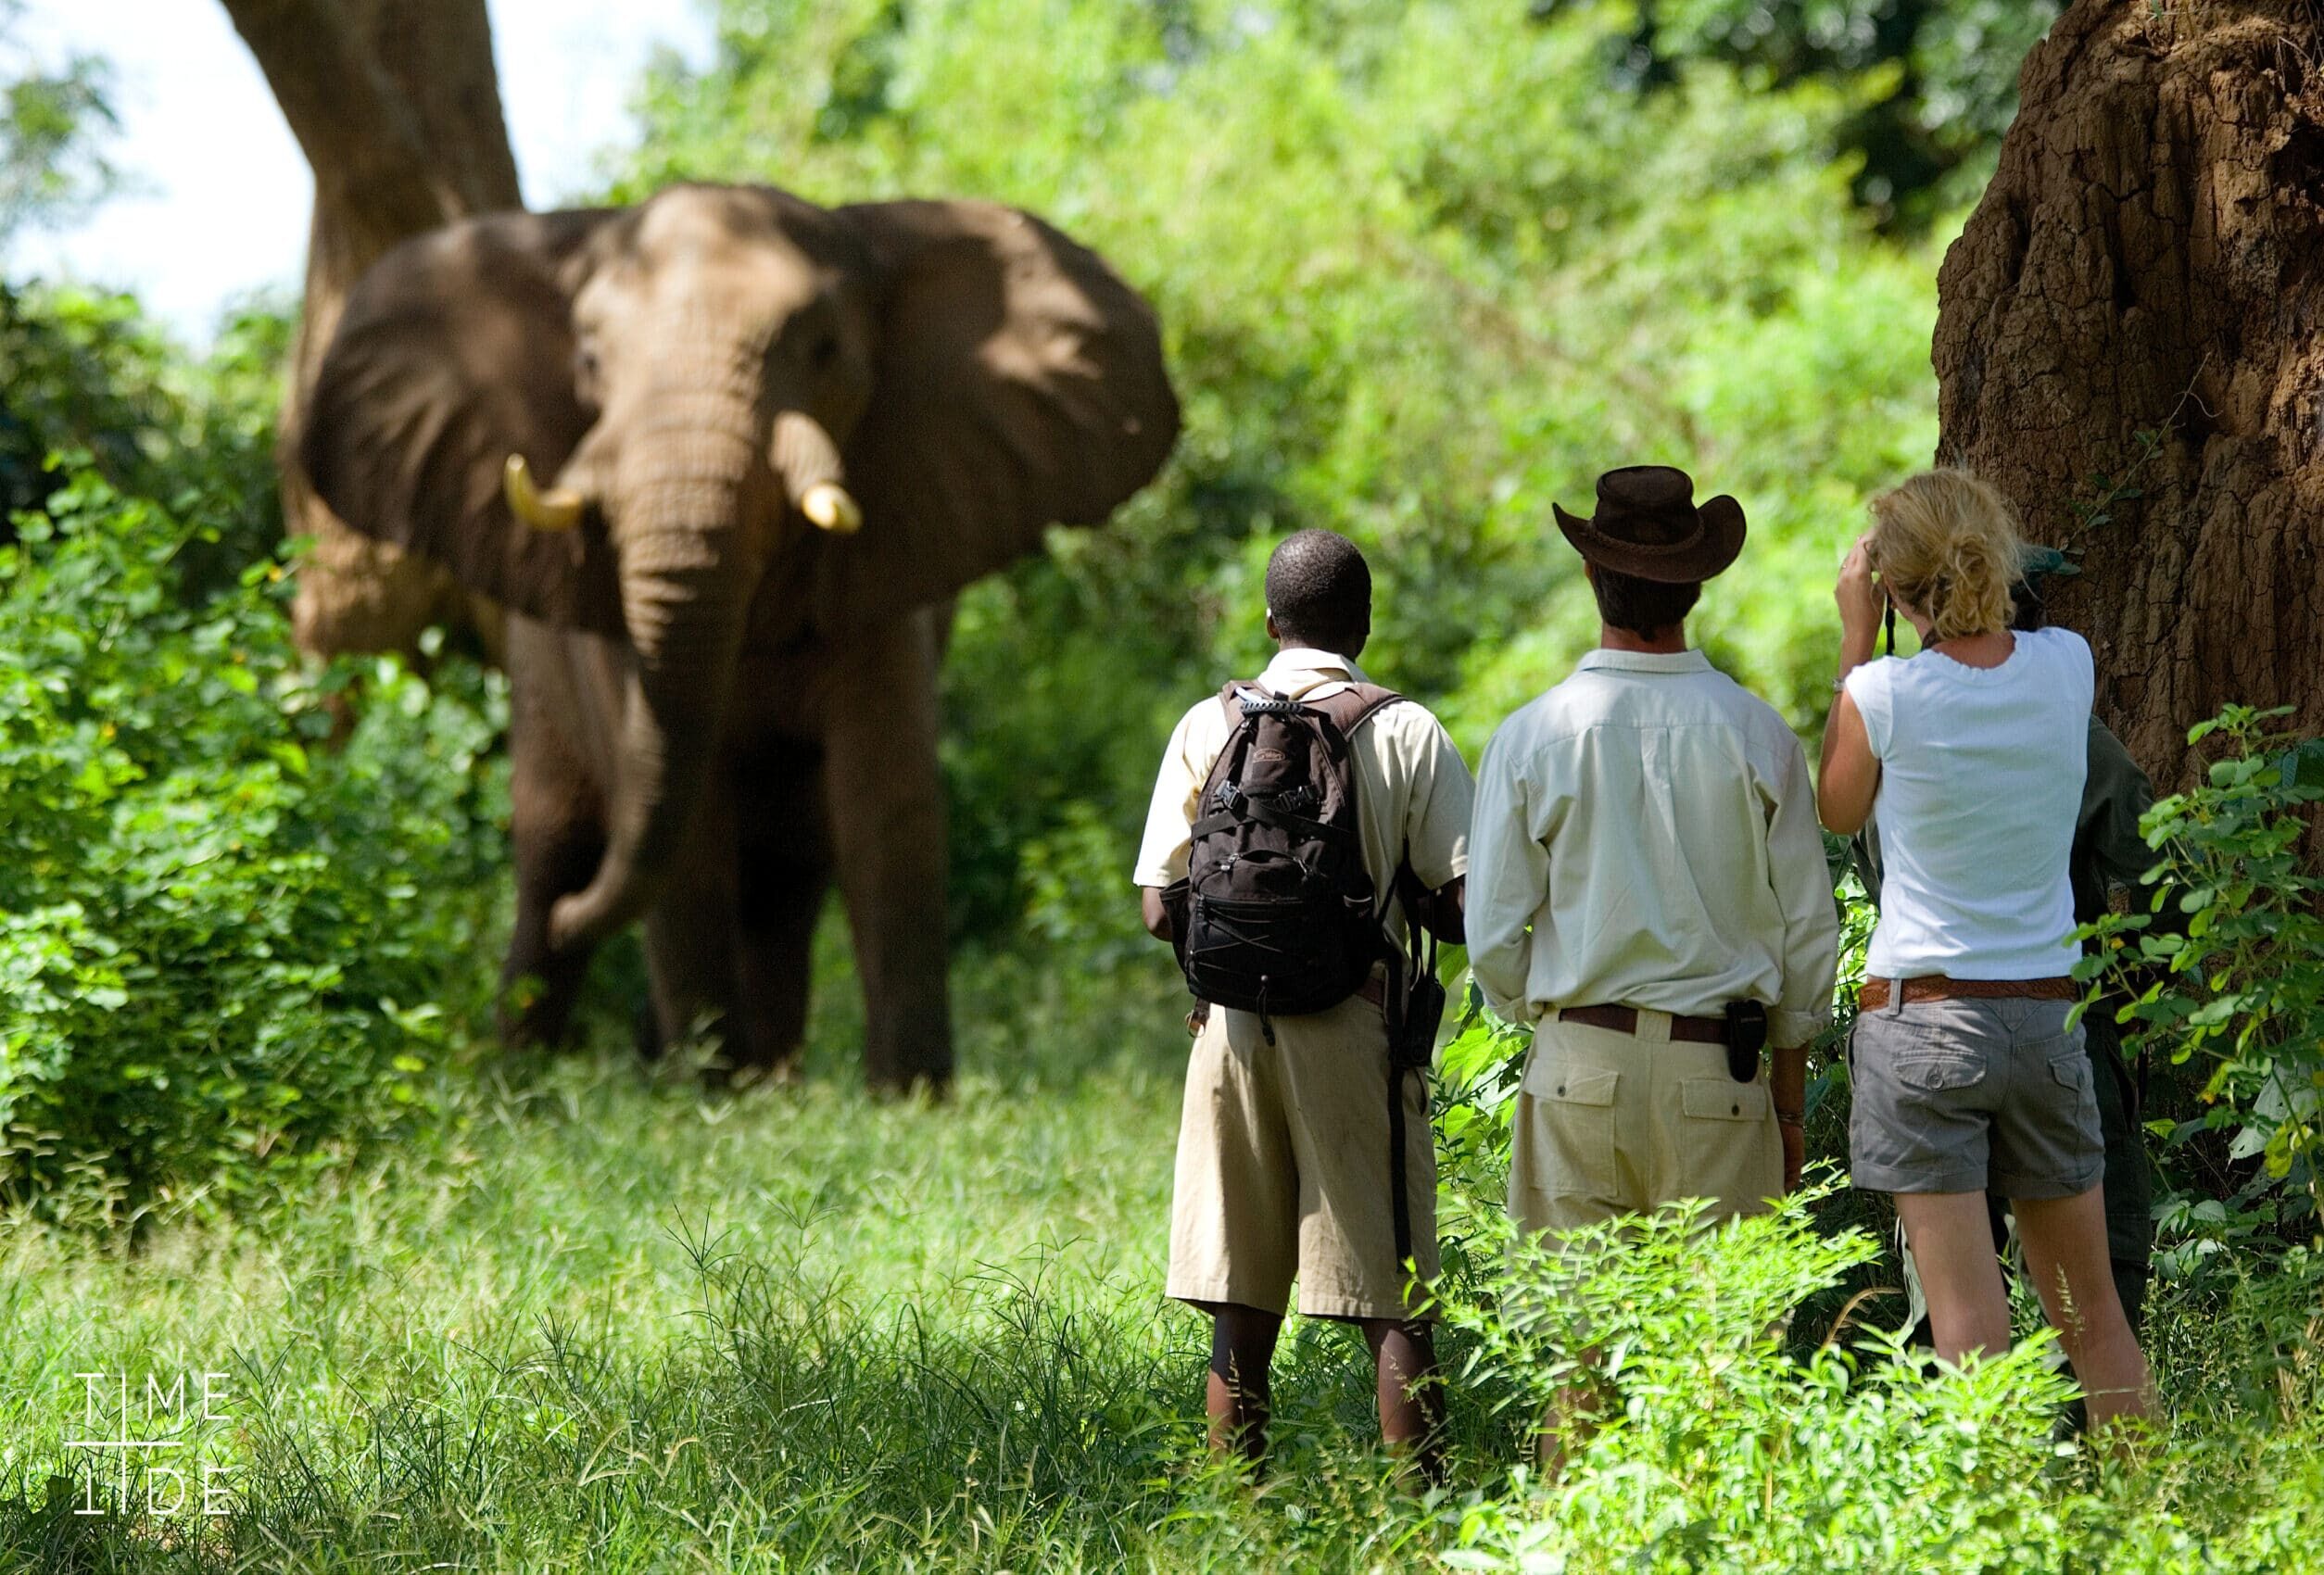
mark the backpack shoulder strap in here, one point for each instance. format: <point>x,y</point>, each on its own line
<point>1231,700</point>
<point>1228,697</point>
<point>1348,710</point>
<point>1354,705</point>
<point>1239,731</point>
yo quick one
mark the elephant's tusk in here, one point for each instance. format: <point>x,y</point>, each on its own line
<point>828,507</point>
<point>556,510</point>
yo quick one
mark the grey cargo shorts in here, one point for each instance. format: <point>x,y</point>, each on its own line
<point>1974,1095</point>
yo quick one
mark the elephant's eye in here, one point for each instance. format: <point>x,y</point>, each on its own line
<point>825,351</point>
<point>585,366</point>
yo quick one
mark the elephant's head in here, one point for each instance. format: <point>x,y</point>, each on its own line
<point>728,410</point>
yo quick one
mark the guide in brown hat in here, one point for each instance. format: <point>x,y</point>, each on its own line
<point>1648,891</point>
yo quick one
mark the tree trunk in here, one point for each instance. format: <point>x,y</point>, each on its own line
<point>397,108</point>
<point>2150,261</point>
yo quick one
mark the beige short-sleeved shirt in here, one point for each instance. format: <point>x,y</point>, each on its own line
<point>1412,787</point>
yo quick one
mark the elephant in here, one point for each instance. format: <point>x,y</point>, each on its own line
<point>724,458</point>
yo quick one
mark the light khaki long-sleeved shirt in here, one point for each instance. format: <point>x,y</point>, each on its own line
<point>1654,824</point>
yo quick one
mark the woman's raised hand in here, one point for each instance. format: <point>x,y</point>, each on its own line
<point>1859,594</point>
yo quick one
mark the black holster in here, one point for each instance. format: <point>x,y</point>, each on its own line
<point>1747,1036</point>
<point>1415,998</point>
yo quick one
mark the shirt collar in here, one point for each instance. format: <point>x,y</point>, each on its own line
<point>1604,660</point>
<point>1300,663</point>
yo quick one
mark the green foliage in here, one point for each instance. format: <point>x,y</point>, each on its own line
<point>1714,1448</point>
<point>1420,271</point>
<point>1939,78</point>
<point>89,374</point>
<point>589,1321</point>
<point>53,118</point>
<point>1717,1447</point>
<point>2237,982</point>
<point>1473,1102</point>
<point>222,947</point>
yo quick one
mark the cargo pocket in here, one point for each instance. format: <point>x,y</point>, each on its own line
<point>1938,1048</point>
<point>1723,1099</point>
<point>1570,1144</point>
<point>2074,1073</point>
<point>1939,1071</point>
<point>1735,1157</point>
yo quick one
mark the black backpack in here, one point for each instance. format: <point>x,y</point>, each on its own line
<point>1277,913</point>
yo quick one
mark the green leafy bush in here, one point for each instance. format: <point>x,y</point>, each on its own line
<point>89,373</point>
<point>222,947</point>
<point>1721,1446</point>
<point>2235,985</point>
<point>1715,1448</point>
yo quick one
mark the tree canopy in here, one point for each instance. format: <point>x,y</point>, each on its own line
<point>54,119</point>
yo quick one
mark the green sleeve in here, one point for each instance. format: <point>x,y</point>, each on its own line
<point>2113,796</point>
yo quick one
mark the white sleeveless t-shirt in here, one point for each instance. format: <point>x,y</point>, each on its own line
<point>1980,787</point>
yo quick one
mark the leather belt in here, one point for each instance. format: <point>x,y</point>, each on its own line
<point>1623,1020</point>
<point>1936,987</point>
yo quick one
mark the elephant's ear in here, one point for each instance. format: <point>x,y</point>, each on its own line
<point>1018,384</point>
<point>456,351</point>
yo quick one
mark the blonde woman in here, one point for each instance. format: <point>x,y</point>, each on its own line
<point>1971,756</point>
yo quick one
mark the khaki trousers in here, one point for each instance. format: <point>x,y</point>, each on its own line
<point>1609,1124</point>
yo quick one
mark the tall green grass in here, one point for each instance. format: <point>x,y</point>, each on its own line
<point>611,1318</point>
<point>608,1322</point>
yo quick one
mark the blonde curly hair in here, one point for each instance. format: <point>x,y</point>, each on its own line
<point>1948,546</point>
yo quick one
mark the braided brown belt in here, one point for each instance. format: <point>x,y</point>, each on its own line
<point>1936,987</point>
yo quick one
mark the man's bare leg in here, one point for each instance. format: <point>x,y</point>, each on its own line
<point>1566,1427</point>
<point>1241,1352</point>
<point>1411,1392</point>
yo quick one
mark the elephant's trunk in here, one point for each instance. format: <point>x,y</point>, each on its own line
<point>690,564</point>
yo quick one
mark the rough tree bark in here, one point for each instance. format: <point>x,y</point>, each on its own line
<point>2150,259</point>
<point>396,105</point>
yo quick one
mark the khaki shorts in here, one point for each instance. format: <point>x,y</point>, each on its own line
<point>1282,1168</point>
<point>1974,1096</point>
<point>1610,1123</point>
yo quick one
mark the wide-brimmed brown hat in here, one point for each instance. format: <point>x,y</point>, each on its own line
<point>1647,525</point>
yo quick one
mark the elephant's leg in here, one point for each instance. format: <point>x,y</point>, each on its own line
<point>689,934</point>
<point>784,873</point>
<point>886,808</point>
<point>557,833</point>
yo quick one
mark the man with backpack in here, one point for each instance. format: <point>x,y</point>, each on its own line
<point>1649,893</point>
<point>1301,823</point>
